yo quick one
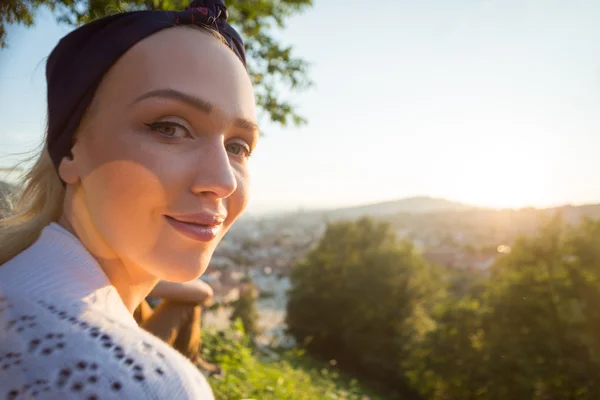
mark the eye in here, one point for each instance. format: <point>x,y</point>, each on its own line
<point>238,149</point>
<point>169,129</point>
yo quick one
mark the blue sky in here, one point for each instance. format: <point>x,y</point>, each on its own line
<point>490,102</point>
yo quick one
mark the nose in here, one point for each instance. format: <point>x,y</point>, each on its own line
<point>214,175</point>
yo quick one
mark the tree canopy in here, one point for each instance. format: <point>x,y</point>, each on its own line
<point>363,298</point>
<point>526,329</point>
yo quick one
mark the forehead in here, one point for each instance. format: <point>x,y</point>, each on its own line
<point>184,59</point>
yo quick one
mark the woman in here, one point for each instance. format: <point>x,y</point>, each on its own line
<point>151,120</point>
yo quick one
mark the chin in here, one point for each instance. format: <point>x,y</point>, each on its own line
<point>181,274</point>
<point>184,269</point>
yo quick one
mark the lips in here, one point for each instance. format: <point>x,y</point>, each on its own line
<point>199,227</point>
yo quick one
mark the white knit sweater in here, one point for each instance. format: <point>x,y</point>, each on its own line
<point>66,334</point>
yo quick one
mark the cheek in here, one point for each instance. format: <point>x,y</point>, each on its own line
<point>126,177</point>
<point>122,199</point>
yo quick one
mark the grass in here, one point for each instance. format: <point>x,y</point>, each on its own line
<point>293,376</point>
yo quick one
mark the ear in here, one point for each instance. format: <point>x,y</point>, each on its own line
<point>68,170</point>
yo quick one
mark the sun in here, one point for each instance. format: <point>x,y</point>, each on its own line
<point>504,171</point>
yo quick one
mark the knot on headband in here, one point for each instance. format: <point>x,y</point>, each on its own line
<point>214,10</point>
<point>214,14</point>
<point>80,60</point>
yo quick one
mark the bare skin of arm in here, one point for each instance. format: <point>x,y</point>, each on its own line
<point>196,291</point>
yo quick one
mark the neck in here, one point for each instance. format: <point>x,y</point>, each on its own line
<point>132,286</point>
<point>131,282</point>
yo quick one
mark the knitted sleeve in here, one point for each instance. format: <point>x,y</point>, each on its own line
<point>70,351</point>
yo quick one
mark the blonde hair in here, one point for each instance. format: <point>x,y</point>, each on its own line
<point>39,204</point>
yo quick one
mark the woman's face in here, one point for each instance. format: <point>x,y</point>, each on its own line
<point>160,167</point>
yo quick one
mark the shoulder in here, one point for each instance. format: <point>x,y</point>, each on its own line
<point>70,351</point>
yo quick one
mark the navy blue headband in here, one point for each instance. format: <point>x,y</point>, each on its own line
<point>80,60</point>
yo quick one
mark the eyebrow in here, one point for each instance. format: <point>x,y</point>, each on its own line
<point>197,103</point>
